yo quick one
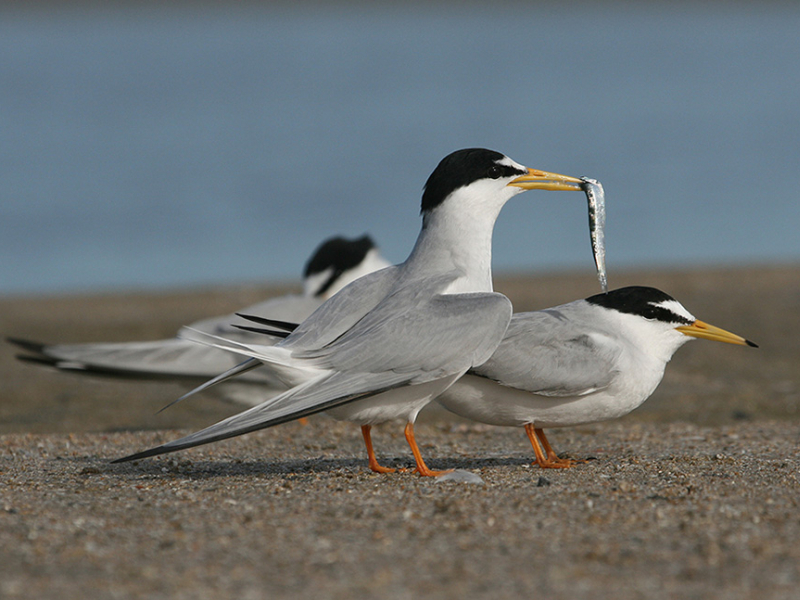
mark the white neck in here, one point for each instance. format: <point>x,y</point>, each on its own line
<point>456,237</point>
<point>651,338</point>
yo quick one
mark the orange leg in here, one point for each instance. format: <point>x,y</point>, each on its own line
<point>551,454</point>
<point>422,469</point>
<point>373,462</point>
<point>551,460</point>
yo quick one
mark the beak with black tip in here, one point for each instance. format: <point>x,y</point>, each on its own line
<point>702,330</point>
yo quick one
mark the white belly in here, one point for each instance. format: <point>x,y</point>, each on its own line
<point>401,403</point>
<point>486,401</point>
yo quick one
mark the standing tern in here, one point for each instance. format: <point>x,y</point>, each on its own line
<point>587,361</point>
<point>390,342</point>
<point>335,263</point>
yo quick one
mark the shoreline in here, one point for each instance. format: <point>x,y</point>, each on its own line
<point>705,383</point>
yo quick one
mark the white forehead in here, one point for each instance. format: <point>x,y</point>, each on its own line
<point>505,161</point>
<point>675,307</point>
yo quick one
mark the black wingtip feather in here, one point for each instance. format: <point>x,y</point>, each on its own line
<point>27,345</point>
<point>269,332</point>
<point>38,360</point>
<point>286,325</point>
<point>163,449</point>
<point>174,447</point>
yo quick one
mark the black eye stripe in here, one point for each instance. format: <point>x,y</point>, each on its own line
<point>497,171</point>
<point>643,301</point>
<point>462,168</point>
<point>659,313</point>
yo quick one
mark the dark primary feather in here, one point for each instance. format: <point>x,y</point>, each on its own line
<point>337,314</point>
<point>396,343</point>
<point>308,401</point>
<point>36,352</point>
<point>261,330</point>
<point>27,345</point>
<point>418,322</point>
<point>37,359</point>
<point>285,325</point>
<point>39,356</point>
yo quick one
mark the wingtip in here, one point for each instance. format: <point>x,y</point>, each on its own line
<point>143,454</point>
<point>124,459</point>
<point>285,325</point>
<point>181,399</point>
<point>27,345</point>
<point>262,331</point>
<point>38,359</point>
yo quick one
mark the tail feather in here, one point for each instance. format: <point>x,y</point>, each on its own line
<point>268,354</point>
<point>248,365</point>
<point>277,360</point>
<point>317,395</point>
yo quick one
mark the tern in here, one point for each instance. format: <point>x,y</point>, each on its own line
<point>390,342</point>
<point>335,263</point>
<point>586,361</point>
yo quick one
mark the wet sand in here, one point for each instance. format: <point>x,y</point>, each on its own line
<point>694,495</point>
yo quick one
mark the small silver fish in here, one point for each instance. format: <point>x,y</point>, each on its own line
<point>596,198</point>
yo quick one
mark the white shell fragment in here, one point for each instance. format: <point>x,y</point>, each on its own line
<point>460,476</point>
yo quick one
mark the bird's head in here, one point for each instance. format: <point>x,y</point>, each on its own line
<point>337,262</point>
<point>476,176</point>
<point>658,321</point>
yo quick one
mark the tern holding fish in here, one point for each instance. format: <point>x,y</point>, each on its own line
<point>597,219</point>
<point>390,342</point>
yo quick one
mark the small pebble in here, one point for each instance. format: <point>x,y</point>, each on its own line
<point>460,476</point>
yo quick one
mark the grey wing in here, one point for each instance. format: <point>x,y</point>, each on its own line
<point>546,353</point>
<point>343,310</point>
<point>458,332</point>
<point>317,395</point>
<point>171,358</point>
<point>432,338</point>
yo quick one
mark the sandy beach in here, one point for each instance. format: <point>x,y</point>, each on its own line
<point>694,495</point>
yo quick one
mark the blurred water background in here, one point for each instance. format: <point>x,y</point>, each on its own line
<point>156,145</point>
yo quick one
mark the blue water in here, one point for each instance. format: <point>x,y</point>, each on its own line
<point>158,147</point>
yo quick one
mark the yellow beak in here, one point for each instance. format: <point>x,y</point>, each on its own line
<point>542,180</point>
<point>699,329</point>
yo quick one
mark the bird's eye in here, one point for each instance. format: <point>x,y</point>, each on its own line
<point>495,172</point>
